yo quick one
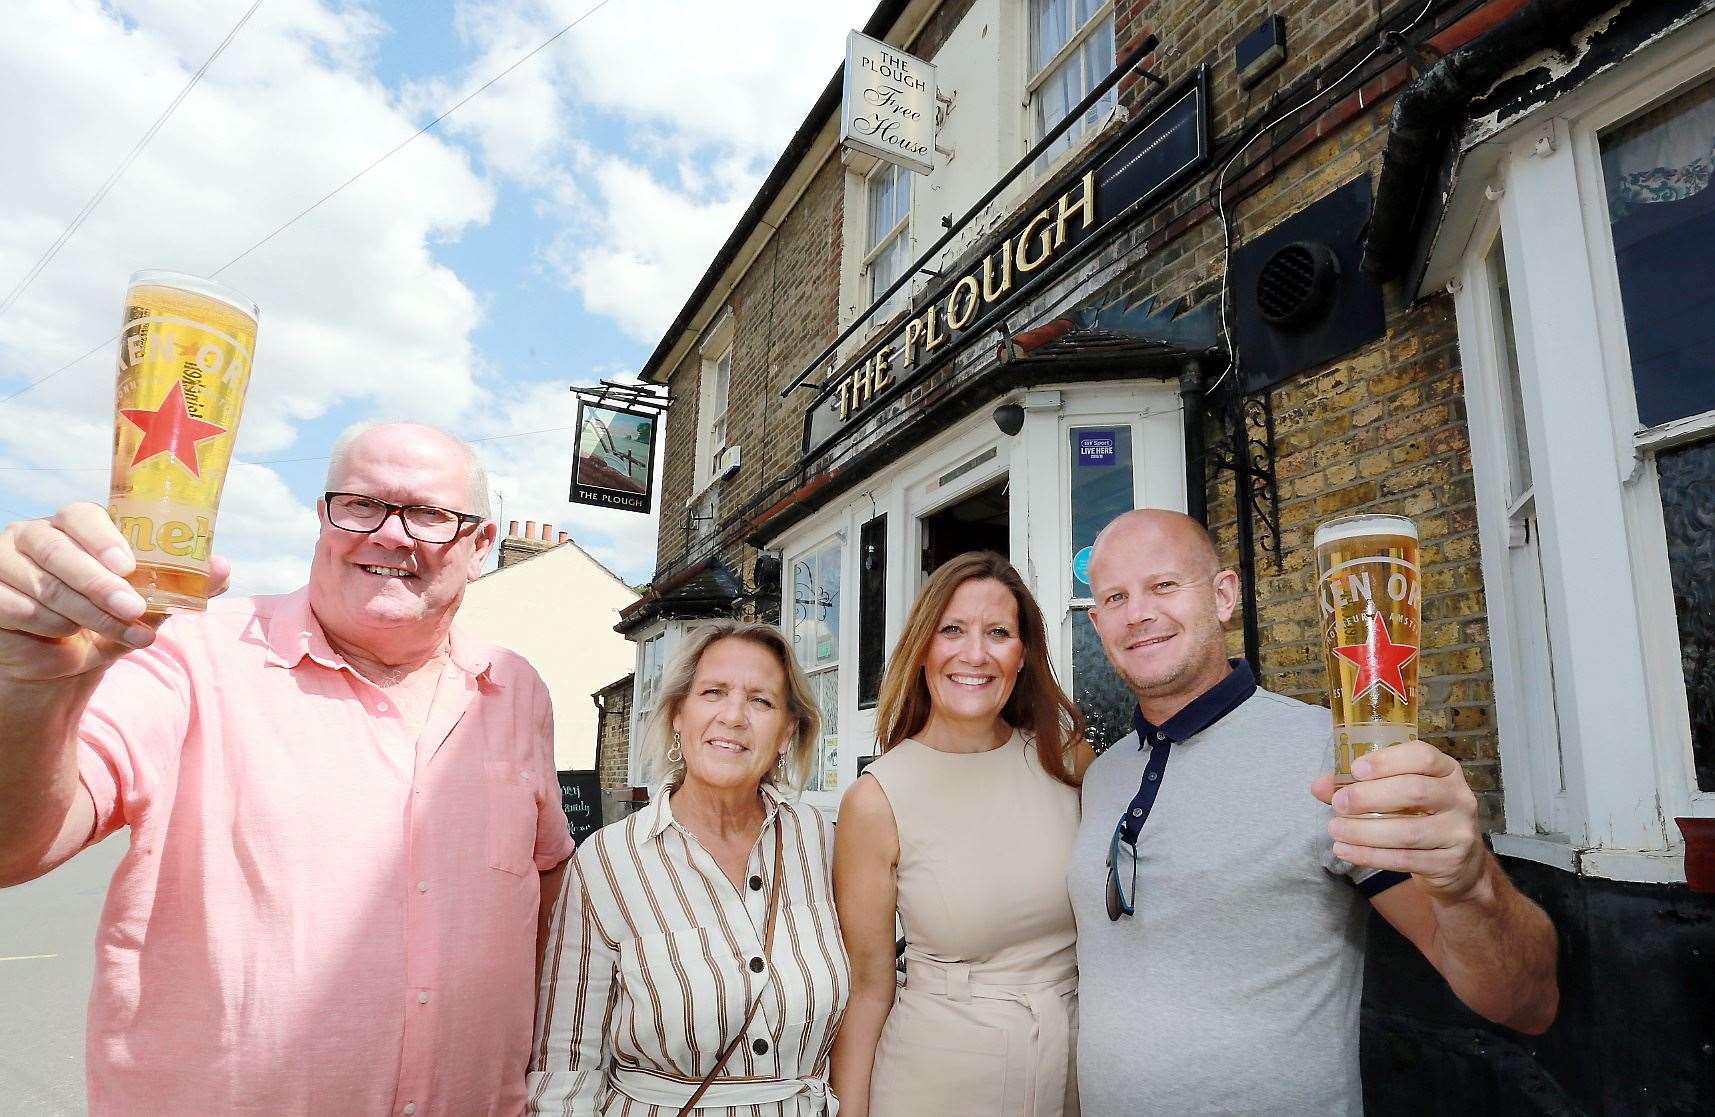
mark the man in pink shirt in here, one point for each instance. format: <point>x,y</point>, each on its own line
<point>345,823</point>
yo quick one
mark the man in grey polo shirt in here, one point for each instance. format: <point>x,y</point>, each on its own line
<point>1221,963</point>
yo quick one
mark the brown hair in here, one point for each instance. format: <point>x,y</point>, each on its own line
<point>676,681</point>
<point>1037,705</point>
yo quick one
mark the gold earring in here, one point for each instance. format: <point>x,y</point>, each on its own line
<point>675,754</point>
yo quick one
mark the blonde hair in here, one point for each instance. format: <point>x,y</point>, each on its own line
<point>1037,706</point>
<point>676,679</point>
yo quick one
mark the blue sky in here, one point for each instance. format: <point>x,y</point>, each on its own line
<point>542,236</point>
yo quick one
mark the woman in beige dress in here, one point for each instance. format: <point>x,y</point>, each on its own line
<point>962,827</point>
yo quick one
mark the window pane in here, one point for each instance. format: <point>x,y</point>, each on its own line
<point>804,609</point>
<point>1688,510</point>
<point>1053,24</point>
<point>825,770</point>
<point>723,379</point>
<point>1053,98</point>
<point>1101,489</point>
<point>1657,170</point>
<point>889,266</point>
<point>872,610</point>
<point>1106,703</point>
<point>1070,81</point>
<point>828,616</point>
<point>1512,398</point>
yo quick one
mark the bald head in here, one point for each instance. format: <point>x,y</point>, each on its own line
<point>419,434</point>
<point>1169,540</point>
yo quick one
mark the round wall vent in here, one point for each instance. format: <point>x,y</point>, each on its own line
<point>1296,285</point>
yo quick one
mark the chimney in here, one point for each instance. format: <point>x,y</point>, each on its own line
<point>562,539</point>
<point>516,548</point>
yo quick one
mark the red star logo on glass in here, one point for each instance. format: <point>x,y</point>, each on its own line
<point>1380,661</point>
<point>171,429</point>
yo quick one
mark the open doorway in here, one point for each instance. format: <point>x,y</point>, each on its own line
<point>976,523</point>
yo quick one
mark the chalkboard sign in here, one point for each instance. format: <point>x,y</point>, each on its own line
<point>580,798</point>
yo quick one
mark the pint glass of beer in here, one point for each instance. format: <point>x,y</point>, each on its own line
<point>1368,595</point>
<point>184,364</point>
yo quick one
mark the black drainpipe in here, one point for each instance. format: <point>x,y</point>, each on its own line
<point>1196,479</point>
<point>1430,107</point>
<point>1247,539</point>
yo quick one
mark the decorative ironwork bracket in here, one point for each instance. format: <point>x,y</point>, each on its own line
<point>1246,450</point>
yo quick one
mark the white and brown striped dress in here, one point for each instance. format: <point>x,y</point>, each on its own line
<point>653,960</point>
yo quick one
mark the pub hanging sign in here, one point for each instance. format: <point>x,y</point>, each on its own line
<point>888,107</point>
<point>615,463</point>
<point>1157,152</point>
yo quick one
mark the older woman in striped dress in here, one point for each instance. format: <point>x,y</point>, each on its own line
<point>695,963</point>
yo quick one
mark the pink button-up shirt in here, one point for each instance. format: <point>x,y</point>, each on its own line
<point>318,914</point>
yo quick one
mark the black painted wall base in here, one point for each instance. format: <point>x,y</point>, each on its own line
<point>1635,1034</point>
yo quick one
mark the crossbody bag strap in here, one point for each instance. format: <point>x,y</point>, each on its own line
<point>768,952</point>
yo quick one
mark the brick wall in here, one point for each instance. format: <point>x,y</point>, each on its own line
<point>613,748</point>
<point>1383,428</point>
<point>785,310</point>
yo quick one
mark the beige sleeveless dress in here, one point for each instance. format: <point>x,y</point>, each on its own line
<point>986,1025</point>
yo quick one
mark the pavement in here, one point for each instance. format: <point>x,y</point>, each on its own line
<point>47,956</point>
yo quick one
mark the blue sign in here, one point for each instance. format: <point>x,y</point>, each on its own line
<point>1096,448</point>
<point>1081,565</point>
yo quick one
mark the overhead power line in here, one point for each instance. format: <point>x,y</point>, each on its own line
<point>124,164</point>
<point>318,203</point>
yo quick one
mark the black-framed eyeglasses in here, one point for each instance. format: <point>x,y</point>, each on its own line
<point>1121,899</point>
<point>426,523</point>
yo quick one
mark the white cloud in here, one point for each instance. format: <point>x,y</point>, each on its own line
<point>353,306</point>
<point>712,92</point>
<point>356,313</point>
<point>651,245</point>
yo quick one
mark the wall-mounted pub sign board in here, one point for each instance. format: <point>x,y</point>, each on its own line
<point>888,109</point>
<point>1157,151</point>
<point>615,465</point>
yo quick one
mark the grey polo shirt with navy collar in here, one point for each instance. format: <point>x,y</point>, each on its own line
<point>1234,988</point>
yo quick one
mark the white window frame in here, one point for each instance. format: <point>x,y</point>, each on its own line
<point>1619,690</point>
<point>714,402</point>
<point>917,486</point>
<point>651,641</point>
<point>1527,720</point>
<point>879,242</point>
<point>844,654</point>
<point>1034,128</point>
<point>1154,414</point>
<point>669,635</point>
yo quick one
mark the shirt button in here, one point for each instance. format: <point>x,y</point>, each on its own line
<point>423,997</point>
<point>410,1108</point>
<point>1152,776</point>
<point>382,706</point>
<point>1161,736</point>
<point>422,886</point>
<point>756,965</point>
<point>756,884</point>
<point>523,775</point>
<point>1137,812</point>
<point>760,1047</point>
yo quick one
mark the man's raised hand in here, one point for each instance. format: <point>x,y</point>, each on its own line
<point>1430,829</point>
<point>65,607</point>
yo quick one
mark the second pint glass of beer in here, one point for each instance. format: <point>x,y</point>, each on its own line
<point>1369,601</point>
<point>184,365</point>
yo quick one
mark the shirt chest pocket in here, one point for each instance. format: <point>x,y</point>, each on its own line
<point>511,792</point>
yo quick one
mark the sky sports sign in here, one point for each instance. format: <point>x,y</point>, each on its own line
<point>1168,141</point>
